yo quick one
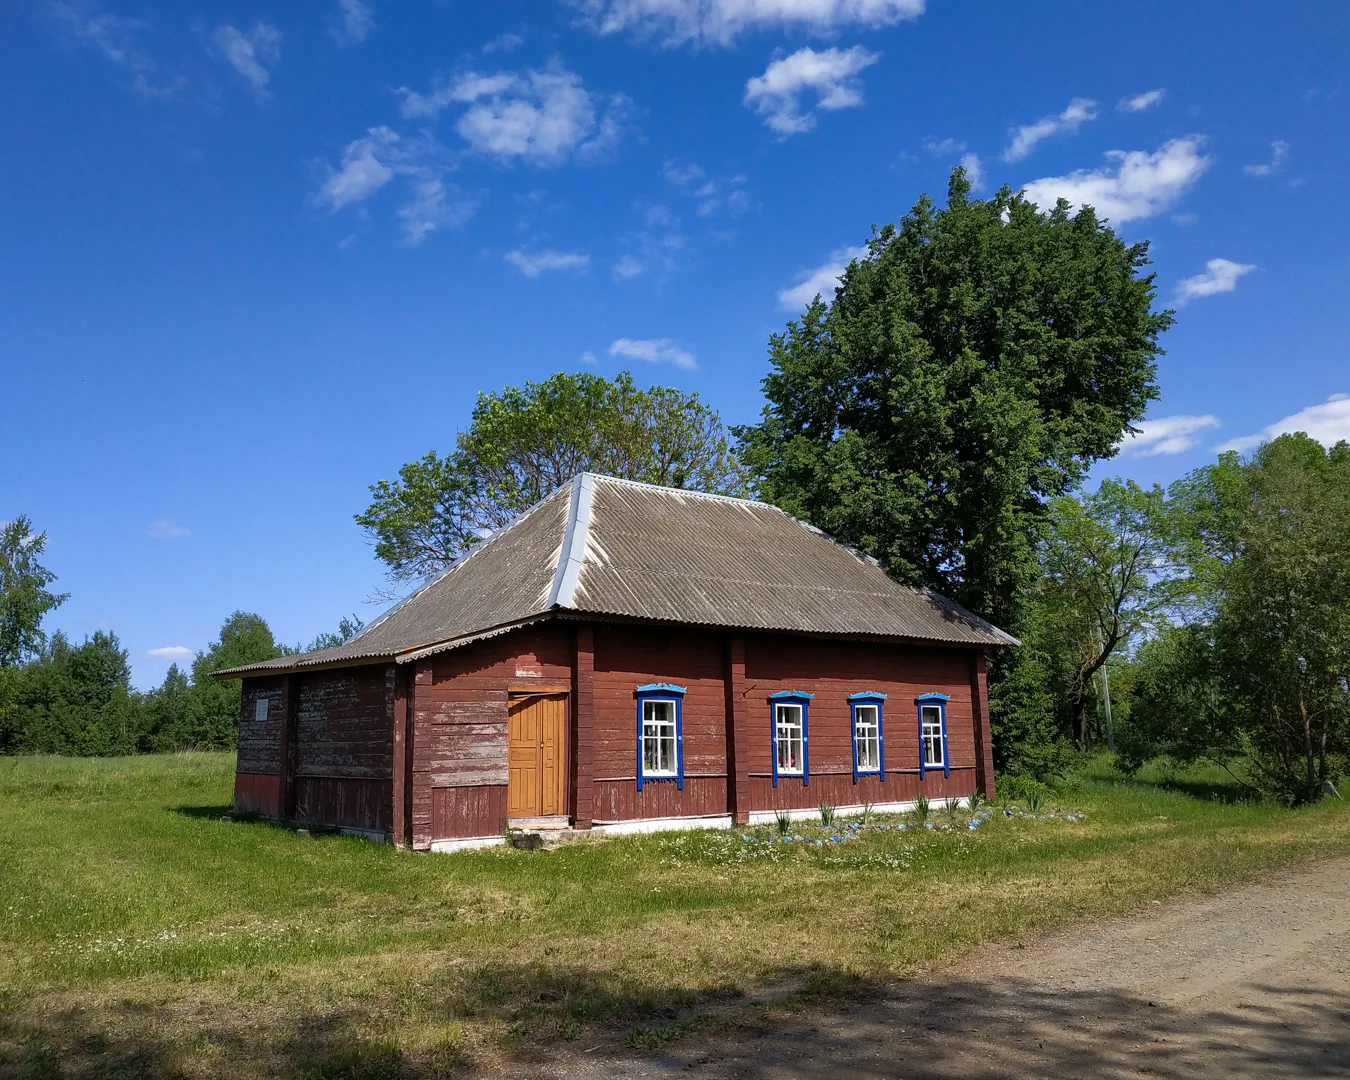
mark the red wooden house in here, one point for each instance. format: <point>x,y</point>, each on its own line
<point>625,657</point>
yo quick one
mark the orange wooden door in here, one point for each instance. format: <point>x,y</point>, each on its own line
<point>537,757</point>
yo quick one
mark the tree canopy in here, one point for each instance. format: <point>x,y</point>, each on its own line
<point>24,596</point>
<point>525,442</point>
<point>970,368</point>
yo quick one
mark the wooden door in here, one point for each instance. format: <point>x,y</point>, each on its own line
<point>537,756</point>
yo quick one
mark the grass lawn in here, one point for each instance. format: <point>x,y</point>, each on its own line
<point>142,936</point>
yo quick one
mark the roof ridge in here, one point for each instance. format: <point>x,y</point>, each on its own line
<point>681,491</point>
<point>573,551</point>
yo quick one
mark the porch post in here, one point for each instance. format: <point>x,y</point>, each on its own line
<point>979,713</point>
<point>738,732</point>
<point>583,727</point>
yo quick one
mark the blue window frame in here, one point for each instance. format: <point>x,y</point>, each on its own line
<point>869,739</point>
<point>933,733</point>
<point>789,729</point>
<point>660,733</point>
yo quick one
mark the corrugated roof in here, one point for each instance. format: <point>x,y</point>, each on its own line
<point>603,546</point>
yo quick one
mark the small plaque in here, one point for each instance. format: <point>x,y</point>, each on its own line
<point>260,710</point>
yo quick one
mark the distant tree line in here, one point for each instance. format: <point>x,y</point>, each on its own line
<point>59,697</point>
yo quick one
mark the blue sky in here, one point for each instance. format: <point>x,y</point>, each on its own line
<point>255,255</point>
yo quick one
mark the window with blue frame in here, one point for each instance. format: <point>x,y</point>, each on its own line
<point>791,740</point>
<point>869,751</point>
<point>660,733</point>
<point>933,733</point>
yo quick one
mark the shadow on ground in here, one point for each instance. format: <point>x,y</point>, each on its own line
<point>544,1022</point>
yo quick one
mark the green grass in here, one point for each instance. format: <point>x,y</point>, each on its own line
<point>141,935</point>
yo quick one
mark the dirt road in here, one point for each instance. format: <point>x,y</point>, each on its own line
<point>1254,983</point>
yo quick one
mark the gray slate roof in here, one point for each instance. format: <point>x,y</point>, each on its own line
<point>601,546</point>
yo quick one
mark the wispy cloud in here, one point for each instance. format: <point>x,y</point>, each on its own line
<point>1166,435</point>
<point>653,351</point>
<point>1025,138</point>
<point>532,264</point>
<point>171,652</point>
<point>118,40</point>
<point>1279,150</point>
<point>830,75</point>
<point>504,43</point>
<point>1328,423</point>
<point>1220,276</point>
<point>1139,186</point>
<point>943,148</point>
<point>252,53</point>
<point>711,194</point>
<point>676,22</point>
<point>163,529</point>
<point>353,23</point>
<point>822,280</point>
<point>627,267</point>
<point>375,159</point>
<point>1140,102</point>
<point>544,116</point>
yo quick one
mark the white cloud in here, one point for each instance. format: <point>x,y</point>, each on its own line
<point>719,21</point>
<point>171,652</point>
<point>117,38</point>
<point>534,264</point>
<point>589,358</point>
<point>1279,150</point>
<point>251,53</point>
<point>1166,435</point>
<point>941,148</point>
<point>1025,138</point>
<point>823,280</point>
<point>1140,102</point>
<point>504,43</point>
<point>627,267</point>
<point>371,162</point>
<point>1328,423</point>
<point>433,203</point>
<point>1220,276</point>
<point>354,22</point>
<point>1141,185</point>
<point>831,74</point>
<point>163,529</point>
<point>974,170</point>
<point>653,351</point>
<point>364,170</point>
<point>544,115</point>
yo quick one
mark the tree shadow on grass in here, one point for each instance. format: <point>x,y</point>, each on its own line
<point>542,1021</point>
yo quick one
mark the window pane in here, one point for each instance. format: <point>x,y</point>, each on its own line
<point>932,735</point>
<point>868,737</point>
<point>788,721</point>
<point>659,755</point>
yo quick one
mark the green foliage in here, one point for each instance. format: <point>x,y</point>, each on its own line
<point>973,366</point>
<point>921,808</point>
<point>827,813</point>
<point>24,596</point>
<point>348,627</point>
<point>215,703</point>
<point>1282,628</point>
<point>1260,669</point>
<point>524,443</point>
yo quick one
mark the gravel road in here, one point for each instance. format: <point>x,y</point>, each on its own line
<point>1252,983</point>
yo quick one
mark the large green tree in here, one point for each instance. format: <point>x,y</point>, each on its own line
<point>24,596</point>
<point>970,368</point>
<point>214,704</point>
<point>525,442</point>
